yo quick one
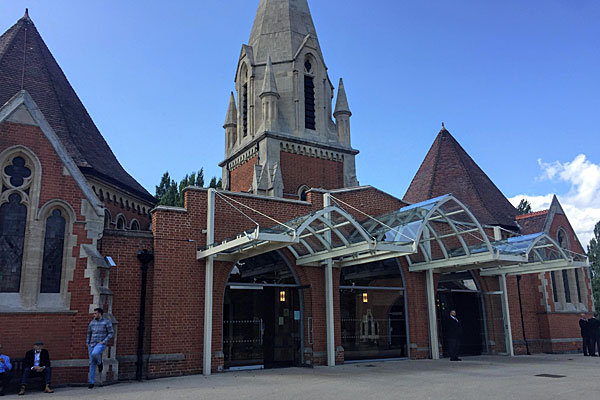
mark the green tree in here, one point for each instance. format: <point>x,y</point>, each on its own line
<point>166,191</point>
<point>593,251</point>
<point>524,207</point>
<point>170,193</point>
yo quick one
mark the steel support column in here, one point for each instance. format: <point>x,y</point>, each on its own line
<point>506,314</point>
<point>208,286</point>
<point>432,314</point>
<point>329,296</point>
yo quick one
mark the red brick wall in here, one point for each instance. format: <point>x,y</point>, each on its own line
<point>64,332</point>
<point>298,170</point>
<point>240,178</point>
<point>125,283</point>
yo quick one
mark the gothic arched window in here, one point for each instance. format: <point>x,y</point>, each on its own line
<point>14,197</point>
<point>52,261</point>
<point>13,218</point>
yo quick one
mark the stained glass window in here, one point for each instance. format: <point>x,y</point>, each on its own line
<point>13,218</point>
<point>54,241</point>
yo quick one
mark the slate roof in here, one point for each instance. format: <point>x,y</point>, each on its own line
<point>26,63</point>
<point>448,168</point>
<point>533,222</point>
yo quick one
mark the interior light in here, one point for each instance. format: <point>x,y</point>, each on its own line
<point>282,296</point>
<point>365,298</point>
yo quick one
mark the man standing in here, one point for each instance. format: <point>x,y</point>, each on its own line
<point>100,331</point>
<point>584,325</point>
<point>453,334</point>
<point>5,368</point>
<point>594,332</point>
<point>37,363</point>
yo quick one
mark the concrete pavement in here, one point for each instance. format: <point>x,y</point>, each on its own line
<point>484,377</point>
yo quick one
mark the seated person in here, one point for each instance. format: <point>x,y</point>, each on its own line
<point>5,368</point>
<point>37,362</point>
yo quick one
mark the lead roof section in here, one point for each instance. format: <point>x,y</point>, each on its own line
<point>26,63</point>
<point>448,168</point>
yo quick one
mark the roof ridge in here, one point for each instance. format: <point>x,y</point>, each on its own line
<point>468,171</point>
<point>54,89</point>
<point>532,214</point>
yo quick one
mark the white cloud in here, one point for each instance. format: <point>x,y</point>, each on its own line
<point>581,203</point>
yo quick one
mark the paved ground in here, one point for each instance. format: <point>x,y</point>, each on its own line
<point>485,377</point>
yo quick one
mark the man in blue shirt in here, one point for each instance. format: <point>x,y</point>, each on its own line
<point>100,331</point>
<point>5,368</point>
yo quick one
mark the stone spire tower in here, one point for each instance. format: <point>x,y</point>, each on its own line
<point>285,140</point>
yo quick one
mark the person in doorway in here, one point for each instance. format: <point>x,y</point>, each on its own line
<point>37,363</point>
<point>594,331</point>
<point>584,325</point>
<point>5,368</point>
<point>100,331</point>
<point>453,334</point>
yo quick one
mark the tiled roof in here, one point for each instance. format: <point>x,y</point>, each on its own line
<point>532,214</point>
<point>26,63</point>
<point>532,222</point>
<point>448,168</point>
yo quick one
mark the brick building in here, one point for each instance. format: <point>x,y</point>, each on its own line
<point>293,263</point>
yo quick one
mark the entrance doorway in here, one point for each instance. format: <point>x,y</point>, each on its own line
<point>262,314</point>
<point>372,311</point>
<point>459,291</point>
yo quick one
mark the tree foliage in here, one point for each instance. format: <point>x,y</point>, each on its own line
<point>593,251</point>
<point>524,207</point>
<point>170,193</point>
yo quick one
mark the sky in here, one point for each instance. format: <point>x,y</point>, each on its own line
<point>515,82</point>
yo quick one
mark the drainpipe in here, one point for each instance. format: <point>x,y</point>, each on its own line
<point>521,310</point>
<point>144,257</point>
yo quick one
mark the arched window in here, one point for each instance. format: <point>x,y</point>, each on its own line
<point>121,223</point>
<point>309,96</point>
<point>302,192</point>
<point>52,260</point>
<point>16,182</point>
<point>135,226</point>
<point>107,219</point>
<point>13,218</point>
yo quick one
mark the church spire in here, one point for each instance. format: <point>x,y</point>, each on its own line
<point>280,28</point>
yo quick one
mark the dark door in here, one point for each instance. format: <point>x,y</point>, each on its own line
<point>281,341</point>
<point>467,306</point>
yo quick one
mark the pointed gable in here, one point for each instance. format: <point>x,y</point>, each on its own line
<point>36,71</point>
<point>447,168</point>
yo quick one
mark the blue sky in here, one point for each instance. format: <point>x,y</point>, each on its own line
<point>516,82</point>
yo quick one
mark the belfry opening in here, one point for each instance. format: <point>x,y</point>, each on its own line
<point>262,314</point>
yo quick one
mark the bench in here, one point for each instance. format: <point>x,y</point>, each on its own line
<point>16,373</point>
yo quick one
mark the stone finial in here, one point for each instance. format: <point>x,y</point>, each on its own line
<point>231,118</point>
<point>269,84</point>
<point>26,15</point>
<point>341,104</point>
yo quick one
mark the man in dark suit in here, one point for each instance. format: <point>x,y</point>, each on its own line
<point>453,333</point>
<point>594,330</point>
<point>584,325</point>
<point>37,362</point>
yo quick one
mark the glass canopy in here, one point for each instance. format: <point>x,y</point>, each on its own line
<point>440,234</point>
